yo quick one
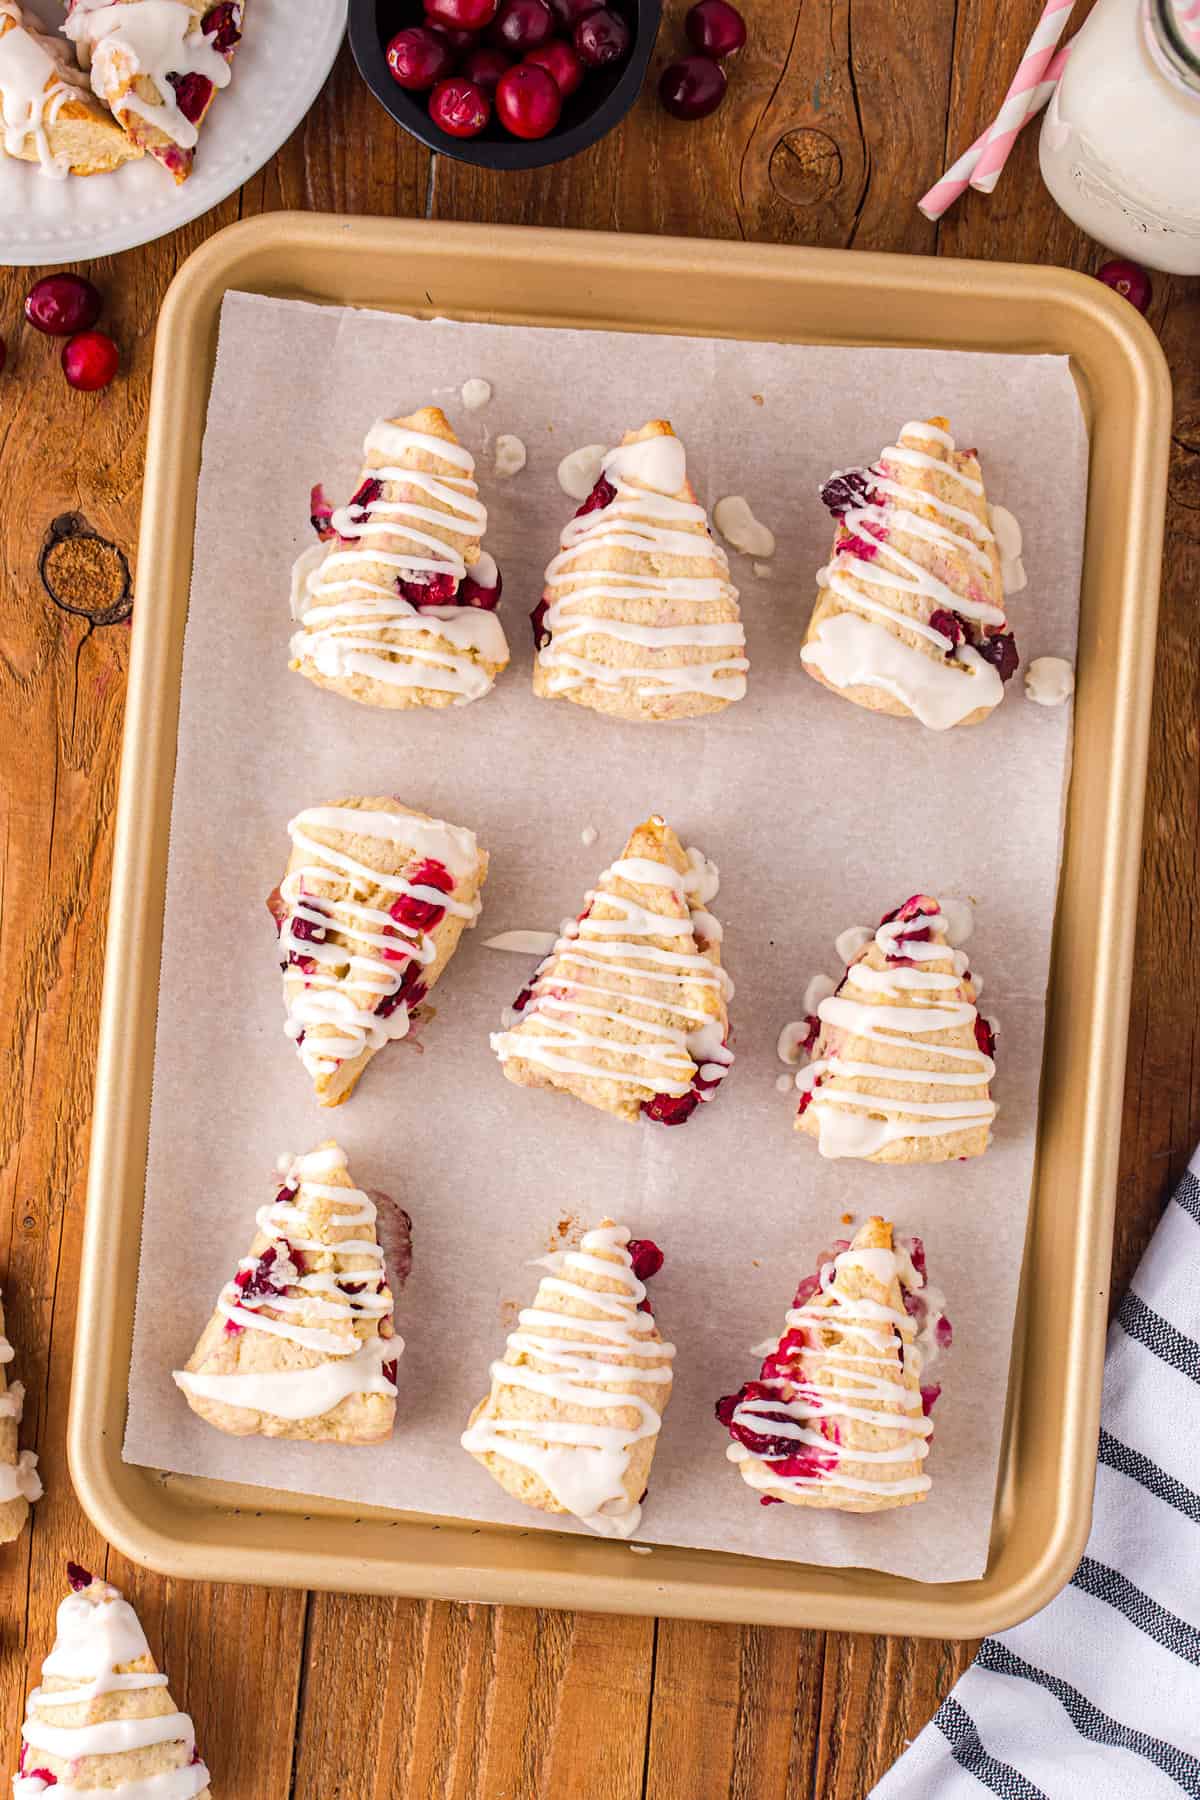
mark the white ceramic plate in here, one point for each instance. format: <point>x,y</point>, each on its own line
<point>285,54</point>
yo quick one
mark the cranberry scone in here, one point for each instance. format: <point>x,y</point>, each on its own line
<point>839,1416</point>
<point>102,1720</point>
<point>628,1012</point>
<point>302,1344</point>
<point>902,1061</point>
<point>910,618</point>
<point>639,618</point>
<point>157,64</point>
<point>19,1480</point>
<point>370,911</point>
<point>48,114</point>
<point>572,1419</point>
<point>396,604</point>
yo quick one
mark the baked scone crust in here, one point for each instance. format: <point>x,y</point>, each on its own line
<point>18,1468</point>
<point>928,1079</point>
<point>913,590</point>
<point>375,653</point>
<point>666,640</point>
<point>628,1012</point>
<point>69,131</point>
<point>590,1304</point>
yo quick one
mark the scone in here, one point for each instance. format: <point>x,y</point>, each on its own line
<point>901,1059</point>
<point>103,1720</point>
<point>628,1011</point>
<point>47,112</point>
<point>396,604</point>
<point>572,1419</point>
<point>157,64</point>
<point>639,618</point>
<point>839,1415</point>
<point>19,1482</point>
<point>369,913</point>
<point>910,615</point>
<point>301,1344</point>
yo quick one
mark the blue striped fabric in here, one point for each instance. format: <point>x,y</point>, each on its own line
<point>1098,1696</point>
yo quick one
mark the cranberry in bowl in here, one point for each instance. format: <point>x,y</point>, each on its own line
<point>590,106</point>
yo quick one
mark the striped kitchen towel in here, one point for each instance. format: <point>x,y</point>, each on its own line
<point>1097,1697</point>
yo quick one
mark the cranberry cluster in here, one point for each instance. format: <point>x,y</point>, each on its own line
<point>694,86</point>
<point>68,306</point>
<point>518,58</point>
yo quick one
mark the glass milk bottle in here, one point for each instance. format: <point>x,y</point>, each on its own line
<point>1120,144</point>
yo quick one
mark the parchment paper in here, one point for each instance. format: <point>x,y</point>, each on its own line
<point>819,814</point>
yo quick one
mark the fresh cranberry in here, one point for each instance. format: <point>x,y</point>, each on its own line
<point>647,1257</point>
<point>692,88</point>
<point>192,95</point>
<point>409,909</point>
<point>851,489</point>
<point>417,58</point>
<point>90,361</point>
<point>985,1037</point>
<point>441,590</point>
<point>457,40</point>
<point>602,495</point>
<point>522,25</point>
<point>537,620</point>
<point>1129,280</point>
<point>1001,651</point>
<point>320,513</point>
<point>459,107</point>
<point>472,592</point>
<point>484,66</point>
<point>463,15</point>
<point>715,28</point>
<point>79,1577</point>
<point>61,305</point>
<point>410,993</point>
<point>528,102</point>
<point>948,623</point>
<point>222,24</point>
<point>671,1109</point>
<point>305,932</point>
<point>390,1370</point>
<point>561,63</point>
<point>602,37</point>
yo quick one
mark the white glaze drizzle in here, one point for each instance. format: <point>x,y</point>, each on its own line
<point>34,87</point>
<point>332,1318</point>
<point>345,595</point>
<point>150,39</point>
<point>646,519</point>
<point>341,1006</point>
<point>582,1463</point>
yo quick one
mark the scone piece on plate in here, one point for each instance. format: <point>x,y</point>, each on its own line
<point>48,114</point>
<point>572,1419</point>
<point>301,1344</point>
<point>102,1719</point>
<point>19,1481</point>
<point>639,618</point>
<point>902,1061</point>
<point>910,614</point>
<point>369,913</point>
<point>396,604</point>
<point>628,1011</point>
<point>839,1415</point>
<point>158,64</point>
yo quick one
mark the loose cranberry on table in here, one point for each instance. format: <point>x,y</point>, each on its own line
<point>459,107</point>
<point>528,102</point>
<point>1128,279</point>
<point>715,28</point>
<point>601,38</point>
<point>61,305</point>
<point>692,88</point>
<point>90,361</point>
<point>522,25</point>
<point>560,61</point>
<point>418,58</point>
<point>484,66</point>
<point>465,15</point>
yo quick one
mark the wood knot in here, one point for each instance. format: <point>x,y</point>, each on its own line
<point>84,573</point>
<point>805,167</point>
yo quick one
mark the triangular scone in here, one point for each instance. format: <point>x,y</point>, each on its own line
<point>19,1481</point>
<point>628,1011</point>
<point>158,64</point>
<point>639,617</point>
<point>564,1428</point>
<point>396,604</point>
<point>910,616</point>
<point>103,1720</point>
<point>47,112</point>
<point>369,913</point>
<point>839,1416</point>
<point>901,1059</point>
<point>301,1344</point>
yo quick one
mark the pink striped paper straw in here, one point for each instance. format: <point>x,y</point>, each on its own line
<point>957,179</point>
<point>1002,132</point>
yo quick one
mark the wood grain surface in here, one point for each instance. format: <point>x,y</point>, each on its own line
<point>840,113</point>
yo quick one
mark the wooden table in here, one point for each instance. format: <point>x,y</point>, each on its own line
<point>837,118</point>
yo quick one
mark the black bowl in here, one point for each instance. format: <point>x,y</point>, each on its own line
<point>602,101</point>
